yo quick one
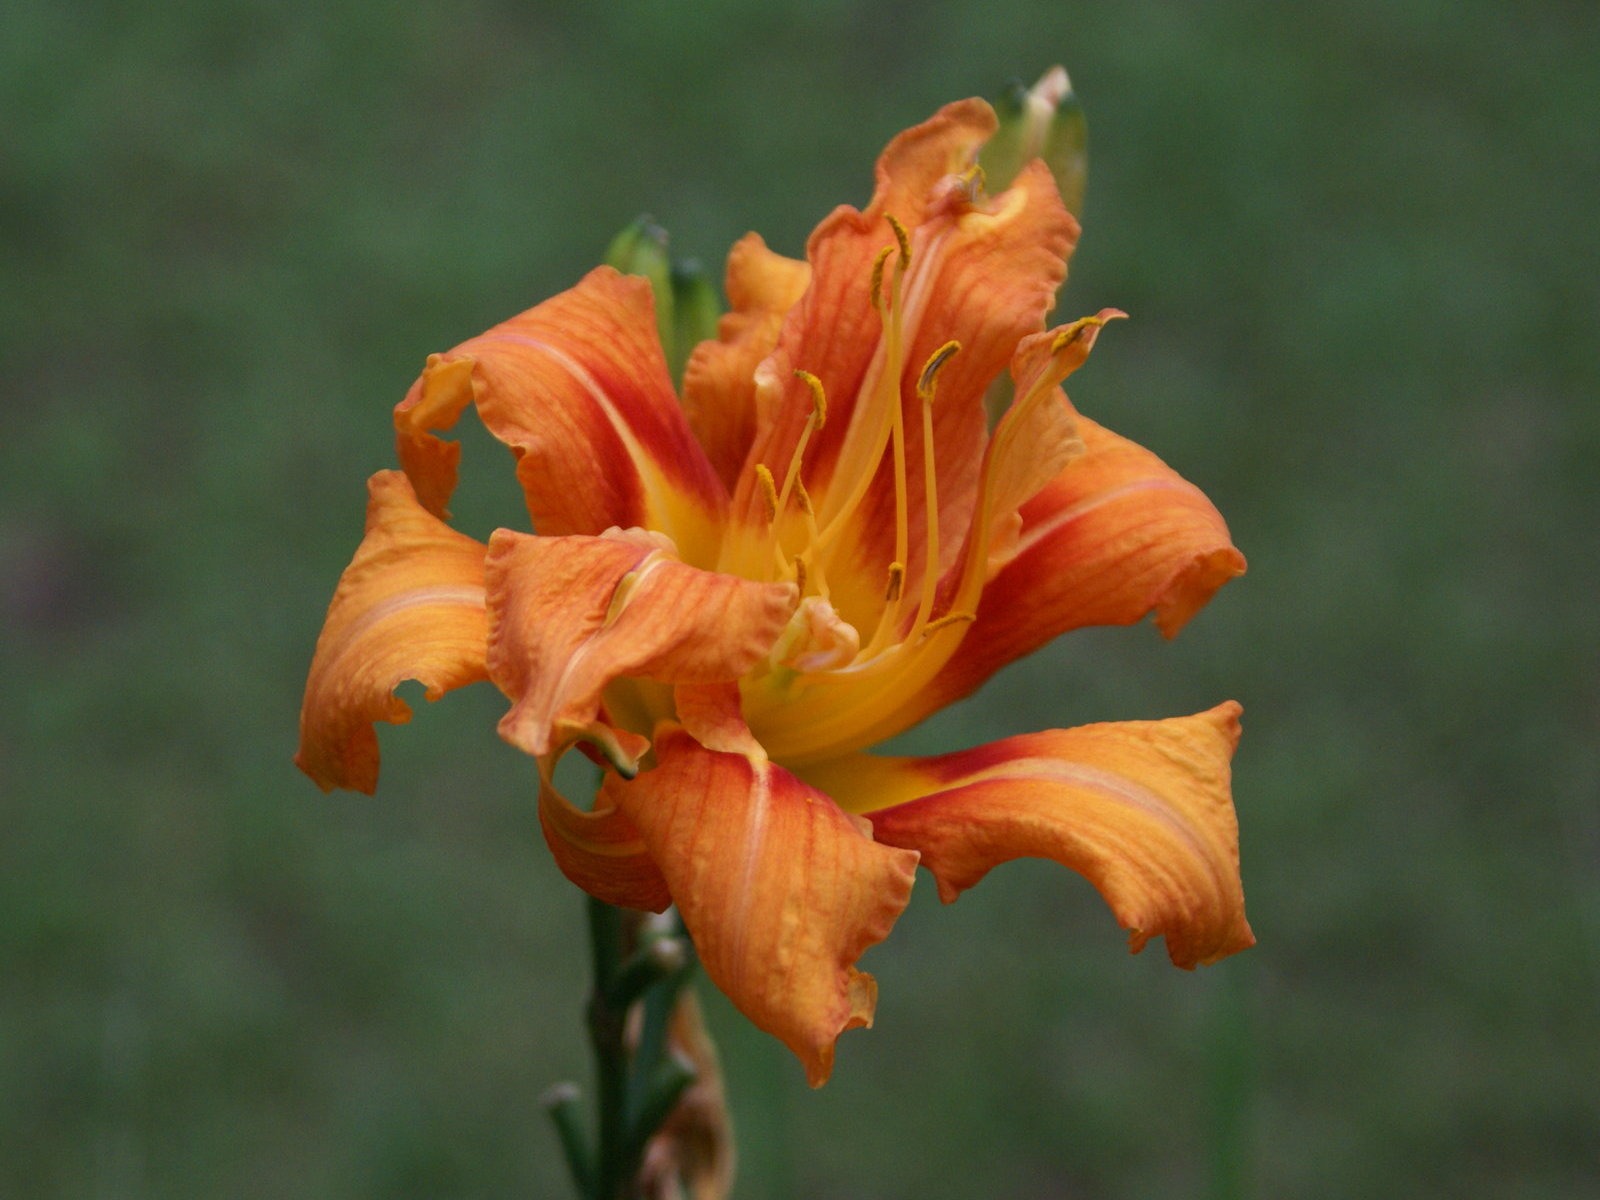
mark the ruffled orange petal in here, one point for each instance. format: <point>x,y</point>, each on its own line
<point>1142,809</point>
<point>1116,535</point>
<point>409,606</point>
<point>983,276</point>
<point>781,891</point>
<point>833,331</point>
<point>578,388</point>
<point>569,615</point>
<point>719,384</point>
<point>601,852</point>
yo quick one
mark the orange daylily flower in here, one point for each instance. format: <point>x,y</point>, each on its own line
<point>727,599</point>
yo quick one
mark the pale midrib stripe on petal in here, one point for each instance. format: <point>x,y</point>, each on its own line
<point>1106,784</point>
<point>1073,512</point>
<point>465,595</point>
<point>580,655</point>
<point>754,836</point>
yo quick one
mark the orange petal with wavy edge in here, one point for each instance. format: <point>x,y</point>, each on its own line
<point>983,276</point>
<point>719,383</point>
<point>1142,809</point>
<point>409,606</point>
<point>1115,535</point>
<point>601,852</point>
<point>578,388</point>
<point>568,615</point>
<point>781,891</point>
<point>833,331</point>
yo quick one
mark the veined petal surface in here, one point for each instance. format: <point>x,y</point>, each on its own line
<point>578,388</point>
<point>568,615</point>
<point>781,890</point>
<point>1142,809</point>
<point>409,606</point>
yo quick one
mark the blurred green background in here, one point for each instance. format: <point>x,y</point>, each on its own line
<point>1358,241</point>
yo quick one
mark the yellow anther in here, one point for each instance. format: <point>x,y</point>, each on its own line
<point>1073,332</point>
<point>974,180</point>
<point>819,398</point>
<point>944,622</point>
<point>897,578</point>
<point>877,277</point>
<point>769,490</point>
<point>800,575</point>
<point>904,238</point>
<point>803,497</point>
<point>930,369</point>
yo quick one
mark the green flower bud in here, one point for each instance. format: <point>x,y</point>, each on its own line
<point>1044,121</point>
<point>696,309</point>
<point>687,305</point>
<point>641,249</point>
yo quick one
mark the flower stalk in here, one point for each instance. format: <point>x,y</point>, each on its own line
<point>641,966</point>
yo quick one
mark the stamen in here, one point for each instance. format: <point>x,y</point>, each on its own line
<point>889,617</point>
<point>944,622</point>
<point>819,414</point>
<point>904,238</point>
<point>803,497</point>
<point>769,491</point>
<point>877,277</point>
<point>1073,332</point>
<point>800,575</point>
<point>930,490</point>
<point>931,368</point>
<point>819,398</point>
<point>897,578</point>
<point>974,175</point>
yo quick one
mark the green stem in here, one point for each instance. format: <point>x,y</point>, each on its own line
<point>636,1087</point>
<point>607,1031</point>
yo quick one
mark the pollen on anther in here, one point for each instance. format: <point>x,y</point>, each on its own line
<point>769,490</point>
<point>877,276</point>
<point>944,622</point>
<point>930,369</point>
<point>901,236</point>
<point>800,575</point>
<point>803,498</point>
<point>897,578</point>
<point>1072,333</point>
<point>819,398</point>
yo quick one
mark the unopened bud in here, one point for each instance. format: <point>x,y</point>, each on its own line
<point>696,309</point>
<point>687,307</point>
<point>1044,121</point>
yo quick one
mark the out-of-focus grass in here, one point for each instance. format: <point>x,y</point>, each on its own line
<point>1358,246</point>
